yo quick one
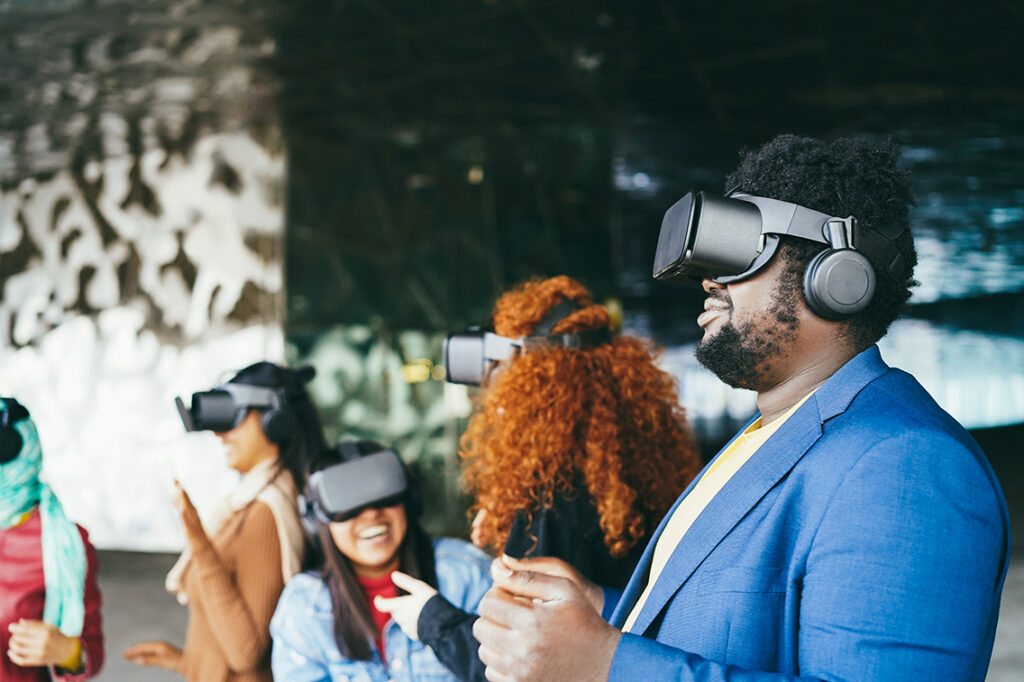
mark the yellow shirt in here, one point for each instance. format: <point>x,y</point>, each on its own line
<point>713,480</point>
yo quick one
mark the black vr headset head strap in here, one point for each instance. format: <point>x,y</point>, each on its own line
<point>349,450</point>
<point>564,309</point>
<point>542,335</point>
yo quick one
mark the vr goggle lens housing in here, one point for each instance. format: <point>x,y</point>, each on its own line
<point>342,491</point>
<point>224,407</point>
<point>728,239</point>
<point>470,356</point>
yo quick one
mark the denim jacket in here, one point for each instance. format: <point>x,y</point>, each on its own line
<point>302,628</point>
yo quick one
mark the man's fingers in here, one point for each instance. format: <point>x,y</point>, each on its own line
<point>548,565</point>
<point>495,676</point>
<point>531,585</point>
<point>505,609</point>
<point>495,671</point>
<point>490,632</point>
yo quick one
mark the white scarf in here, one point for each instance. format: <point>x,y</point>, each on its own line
<point>277,492</point>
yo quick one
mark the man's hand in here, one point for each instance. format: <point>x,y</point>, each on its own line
<point>549,565</point>
<point>160,654</point>
<point>194,532</point>
<point>405,610</point>
<point>35,643</point>
<point>534,626</point>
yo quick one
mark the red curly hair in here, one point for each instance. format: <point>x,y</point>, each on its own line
<point>550,416</point>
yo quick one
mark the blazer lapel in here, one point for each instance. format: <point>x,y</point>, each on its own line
<point>638,581</point>
<point>762,471</point>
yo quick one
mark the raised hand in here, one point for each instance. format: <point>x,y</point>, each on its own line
<point>405,610</point>
<point>194,532</point>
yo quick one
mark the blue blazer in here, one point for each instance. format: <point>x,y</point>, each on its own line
<point>866,541</point>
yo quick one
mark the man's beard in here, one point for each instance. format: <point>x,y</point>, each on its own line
<point>740,355</point>
<point>735,355</point>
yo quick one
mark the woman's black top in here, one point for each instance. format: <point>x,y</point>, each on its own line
<point>569,530</point>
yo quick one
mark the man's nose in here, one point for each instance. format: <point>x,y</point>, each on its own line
<point>710,285</point>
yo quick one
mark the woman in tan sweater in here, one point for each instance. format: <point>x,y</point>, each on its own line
<point>231,578</point>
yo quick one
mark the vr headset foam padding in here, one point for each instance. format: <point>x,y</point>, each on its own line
<point>342,490</point>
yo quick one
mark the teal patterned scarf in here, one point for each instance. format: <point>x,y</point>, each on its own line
<point>63,551</point>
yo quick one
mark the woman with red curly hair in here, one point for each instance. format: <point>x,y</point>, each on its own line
<point>577,450</point>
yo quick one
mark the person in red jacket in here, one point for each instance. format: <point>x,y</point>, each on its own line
<point>50,623</point>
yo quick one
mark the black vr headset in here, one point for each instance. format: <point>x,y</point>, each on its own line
<point>469,356</point>
<point>343,490</point>
<point>11,442</point>
<point>728,239</point>
<point>225,407</point>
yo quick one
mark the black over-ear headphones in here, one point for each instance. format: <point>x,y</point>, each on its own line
<point>728,239</point>
<point>279,422</point>
<point>11,442</point>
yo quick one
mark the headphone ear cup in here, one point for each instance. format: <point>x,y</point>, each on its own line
<point>279,425</point>
<point>10,443</point>
<point>838,283</point>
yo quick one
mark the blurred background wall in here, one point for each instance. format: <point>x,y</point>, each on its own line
<point>189,185</point>
<point>141,238</point>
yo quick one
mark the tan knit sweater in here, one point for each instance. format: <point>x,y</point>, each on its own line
<point>233,586</point>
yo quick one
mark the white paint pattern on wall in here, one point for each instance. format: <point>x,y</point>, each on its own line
<point>176,296</point>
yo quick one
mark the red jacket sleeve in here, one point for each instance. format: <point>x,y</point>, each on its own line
<point>92,626</point>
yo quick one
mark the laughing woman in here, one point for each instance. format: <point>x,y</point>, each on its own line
<point>327,625</point>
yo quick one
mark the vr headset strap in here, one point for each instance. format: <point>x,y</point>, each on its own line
<point>542,335</point>
<point>554,316</point>
<point>880,250</point>
<point>789,219</point>
<point>877,245</point>
<point>349,450</point>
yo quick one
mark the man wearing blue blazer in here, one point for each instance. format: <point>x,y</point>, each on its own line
<point>853,531</point>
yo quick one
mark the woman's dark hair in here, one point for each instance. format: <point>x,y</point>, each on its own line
<point>354,628</point>
<point>849,176</point>
<point>306,444</point>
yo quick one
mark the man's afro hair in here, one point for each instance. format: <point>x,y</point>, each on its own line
<point>848,176</point>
